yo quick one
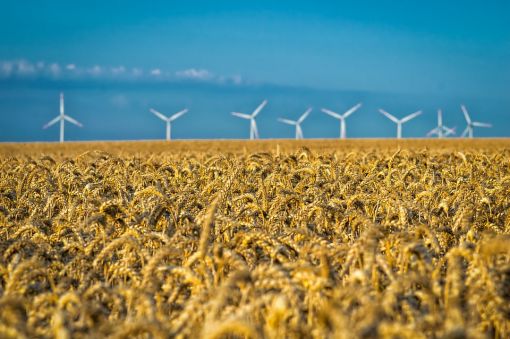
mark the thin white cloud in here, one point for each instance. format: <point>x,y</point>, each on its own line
<point>6,68</point>
<point>95,71</point>
<point>55,69</point>
<point>237,79</point>
<point>25,69</point>
<point>193,73</point>
<point>205,75</point>
<point>118,70</point>
<point>137,72</point>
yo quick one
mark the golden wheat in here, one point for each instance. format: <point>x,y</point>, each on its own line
<point>255,240</point>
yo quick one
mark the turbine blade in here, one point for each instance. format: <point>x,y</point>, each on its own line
<point>72,121</point>
<point>258,109</point>
<point>287,121</point>
<point>389,116</point>
<point>352,110</point>
<point>178,114</point>
<point>466,114</point>
<point>333,114</point>
<point>304,116</point>
<point>241,115</point>
<point>159,115</point>
<point>432,132</point>
<point>410,116</point>
<point>62,103</point>
<point>465,132</point>
<point>481,124</point>
<point>448,131</point>
<point>439,117</point>
<point>52,122</point>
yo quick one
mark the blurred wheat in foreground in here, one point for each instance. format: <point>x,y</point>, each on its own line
<point>327,242</point>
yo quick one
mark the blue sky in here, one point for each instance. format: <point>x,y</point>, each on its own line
<point>116,59</point>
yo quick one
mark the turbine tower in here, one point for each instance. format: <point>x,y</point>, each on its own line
<point>61,117</point>
<point>254,133</point>
<point>297,123</point>
<point>441,130</point>
<point>342,117</point>
<point>168,121</point>
<point>470,124</point>
<point>401,121</point>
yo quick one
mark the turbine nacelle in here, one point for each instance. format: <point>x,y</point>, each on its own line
<point>342,117</point>
<point>62,117</point>
<point>169,120</point>
<point>297,123</point>
<point>470,124</point>
<point>441,130</point>
<point>254,133</point>
<point>400,122</point>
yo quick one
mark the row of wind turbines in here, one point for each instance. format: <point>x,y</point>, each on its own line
<point>440,130</point>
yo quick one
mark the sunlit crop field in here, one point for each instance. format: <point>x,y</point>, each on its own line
<point>268,239</point>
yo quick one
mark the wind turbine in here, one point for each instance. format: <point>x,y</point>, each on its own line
<point>401,121</point>
<point>168,120</point>
<point>470,124</point>
<point>342,118</point>
<point>297,123</point>
<point>61,117</point>
<point>254,133</point>
<point>441,130</point>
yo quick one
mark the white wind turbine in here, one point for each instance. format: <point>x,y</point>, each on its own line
<point>254,133</point>
<point>297,123</point>
<point>401,121</point>
<point>470,124</point>
<point>61,117</point>
<point>441,130</point>
<point>168,120</point>
<point>342,118</point>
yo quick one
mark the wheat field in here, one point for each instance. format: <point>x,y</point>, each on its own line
<point>273,239</point>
